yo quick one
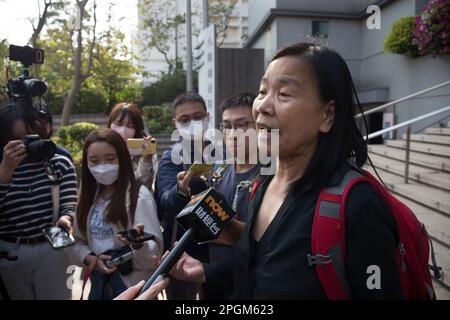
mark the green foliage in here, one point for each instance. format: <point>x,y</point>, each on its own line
<point>159,119</point>
<point>72,138</point>
<point>3,53</point>
<point>166,89</point>
<point>400,39</point>
<point>112,75</point>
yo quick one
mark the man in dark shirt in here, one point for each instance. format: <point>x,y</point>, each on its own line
<point>234,180</point>
<point>174,184</point>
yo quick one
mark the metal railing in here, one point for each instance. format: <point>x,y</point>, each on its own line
<point>408,133</point>
<point>418,93</point>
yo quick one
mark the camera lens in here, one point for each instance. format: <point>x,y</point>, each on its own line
<point>41,150</point>
<point>34,87</point>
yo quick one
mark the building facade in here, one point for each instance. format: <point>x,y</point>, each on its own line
<point>342,25</point>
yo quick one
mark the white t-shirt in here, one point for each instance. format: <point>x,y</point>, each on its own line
<point>102,234</point>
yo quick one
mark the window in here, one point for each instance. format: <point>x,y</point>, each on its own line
<point>320,29</point>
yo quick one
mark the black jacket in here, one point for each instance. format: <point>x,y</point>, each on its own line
<point>276,267</point>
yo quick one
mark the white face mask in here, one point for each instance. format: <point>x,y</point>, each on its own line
<point>194,128</point>
<point>125,132</point>
<point>105,174</point>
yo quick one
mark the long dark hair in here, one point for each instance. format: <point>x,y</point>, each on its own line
<point>116,212</point>
<point>120,110</point>
<point>18,111</point>
<point>334,82</point>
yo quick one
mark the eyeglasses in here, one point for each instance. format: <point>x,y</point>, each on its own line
<point>186,120</point>
<point>243,125</point>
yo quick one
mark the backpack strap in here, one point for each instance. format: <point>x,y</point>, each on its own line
<point>328,237</point>
<point>54,179</point>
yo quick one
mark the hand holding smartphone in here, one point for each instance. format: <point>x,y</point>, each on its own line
<point>58,237</point>
<point>134,236</point>
<point>141,147</point>
<point>199,169</point>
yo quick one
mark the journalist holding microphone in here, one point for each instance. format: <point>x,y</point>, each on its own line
<point>307,94</point>
<point>38,189</point>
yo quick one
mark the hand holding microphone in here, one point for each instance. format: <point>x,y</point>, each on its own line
<point>204,218</point>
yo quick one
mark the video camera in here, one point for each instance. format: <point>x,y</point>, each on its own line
<point>24,87</point>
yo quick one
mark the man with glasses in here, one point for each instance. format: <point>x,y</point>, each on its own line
<point>174,184</point>
<point>234,180</point>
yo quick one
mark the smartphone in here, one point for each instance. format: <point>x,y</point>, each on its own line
<point>58,237</point>
<point>199,169</point>
<point>119,258</point>
<point>141,147</point>
<point>134,236</point>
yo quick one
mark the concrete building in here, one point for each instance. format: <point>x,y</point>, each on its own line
<point>342,25</point>
<point>154,62</point>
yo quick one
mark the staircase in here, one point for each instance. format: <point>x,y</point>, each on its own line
<point>428,190</point>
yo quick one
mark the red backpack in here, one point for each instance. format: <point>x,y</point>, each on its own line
<point>328,241</point>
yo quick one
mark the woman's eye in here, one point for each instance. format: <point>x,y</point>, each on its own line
<point>262,92</point>
<point>285,95</point>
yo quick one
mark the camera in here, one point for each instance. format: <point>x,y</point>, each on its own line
<point>121,258</point>
<point>38,149</point>
<point>25,87</point>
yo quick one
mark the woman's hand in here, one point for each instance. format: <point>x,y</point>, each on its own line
<point>101,266</point>
<point>149,294</point>
<point>136,245</point>
<point>149,158</point>
<point>13,154</point>
<point>186,268</point>
<point>65,222</point>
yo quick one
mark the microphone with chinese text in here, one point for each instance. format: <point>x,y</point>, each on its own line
<point>204,218</point>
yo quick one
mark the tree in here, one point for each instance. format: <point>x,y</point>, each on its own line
<point>112,69</point>
<point>3,54</point>
<point>161,24</point>
<point>220,13</point>
<point>112,75</point>
<point>42,18</point>
<point>79,75</point>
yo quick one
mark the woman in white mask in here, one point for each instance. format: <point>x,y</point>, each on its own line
<point>111,200</point>
<point>126,120</point>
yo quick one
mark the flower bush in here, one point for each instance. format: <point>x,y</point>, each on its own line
<point>432,30</point>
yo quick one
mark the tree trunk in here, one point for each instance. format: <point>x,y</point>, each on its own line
<point>79,76</point>
<point>37,32</point>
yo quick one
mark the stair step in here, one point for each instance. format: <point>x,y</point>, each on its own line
<point>437,224</point>
<point>429,161</point>
<point>438,131</point>
<point>430,138</point>
<point>442,292</point>
<point>423,175</point>
<point>428,148</point>
<point>430,197</point>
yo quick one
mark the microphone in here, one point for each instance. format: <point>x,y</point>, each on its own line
<point>197,185</point>
<point>204,218</point>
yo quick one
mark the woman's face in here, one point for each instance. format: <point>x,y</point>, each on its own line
<point>124,127</point>
<point>288,100</point>
<point>19,129</point>
<point>101,153</point>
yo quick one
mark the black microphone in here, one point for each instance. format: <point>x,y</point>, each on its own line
<point>204,218</point>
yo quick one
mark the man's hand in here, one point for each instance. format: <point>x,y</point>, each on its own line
<point>183,179</point>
